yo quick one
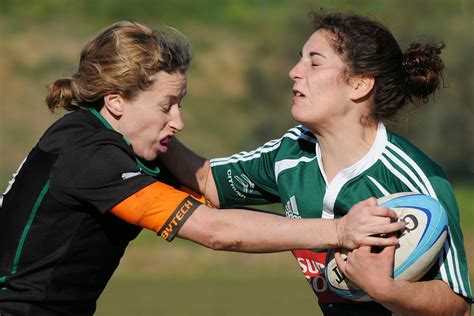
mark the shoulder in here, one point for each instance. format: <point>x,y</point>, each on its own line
<point>95,150</point>
<point>402,152</point>
<point>94,165</point>
<point>78,128</point>
<point>293,143</point>
<point>84,145</point>
<point>297,141</point>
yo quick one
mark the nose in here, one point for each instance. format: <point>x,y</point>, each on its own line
<point>176,121</point>
<point>295,72</point>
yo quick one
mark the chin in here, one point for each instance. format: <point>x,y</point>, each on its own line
<point>148,156</point>
<point>297,115</point>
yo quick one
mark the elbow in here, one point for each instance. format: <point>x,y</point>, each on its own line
<point>221,242</point>
<point>462,305</point>
<point>467,308</point>
<point>215,229</point>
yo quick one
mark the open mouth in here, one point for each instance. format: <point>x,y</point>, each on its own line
<point>165,141</point>
<point>297,93</point>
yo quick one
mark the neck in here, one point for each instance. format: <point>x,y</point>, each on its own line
<point>344,145</point>
<point>113,122</point>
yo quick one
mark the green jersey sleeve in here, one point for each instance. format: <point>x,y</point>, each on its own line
<point>246,178</point>
<point>254,177</point>
<point>453,267</point>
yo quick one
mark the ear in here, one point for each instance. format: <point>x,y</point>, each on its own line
<point>114,104</point>
<point>361,87</point>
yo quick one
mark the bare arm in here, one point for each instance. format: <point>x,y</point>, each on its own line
<point>373,273</point>
<point>252,231</point>
<point>433,297</point>
<point>243,230</point>
<point>249,231</point>
<point>191,170</point>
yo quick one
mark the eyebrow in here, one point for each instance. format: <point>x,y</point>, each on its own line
<point>311,54</point>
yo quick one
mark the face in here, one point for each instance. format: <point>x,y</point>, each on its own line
<point>321,92</point>
<point>151,119</point>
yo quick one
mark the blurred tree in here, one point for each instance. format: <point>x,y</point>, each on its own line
<point>239,90</point>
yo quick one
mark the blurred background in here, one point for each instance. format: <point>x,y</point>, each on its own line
<point>238,98</point>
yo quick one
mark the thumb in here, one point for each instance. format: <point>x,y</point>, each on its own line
<point>365,249</point>
<point>340,261</point>
<point>389,251</point>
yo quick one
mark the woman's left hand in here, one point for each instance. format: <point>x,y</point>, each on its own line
<point>372,272</point>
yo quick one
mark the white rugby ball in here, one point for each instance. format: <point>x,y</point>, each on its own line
<point>419,244</point>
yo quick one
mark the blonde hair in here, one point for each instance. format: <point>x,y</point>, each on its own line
<point>120,59</point>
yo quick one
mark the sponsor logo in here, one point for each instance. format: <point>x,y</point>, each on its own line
<point>312,264</point>
<point>128,175</point>
<point>247,184</point>
<point>291,208</point>
<point>310,267</point>
<point>232,185</point>
<point>182,212</point>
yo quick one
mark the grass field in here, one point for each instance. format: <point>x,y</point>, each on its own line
<point>156,278</point>
<point>180,278</point>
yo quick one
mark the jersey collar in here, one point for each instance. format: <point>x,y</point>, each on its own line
<point>153,172</point>
<point>345,175</point>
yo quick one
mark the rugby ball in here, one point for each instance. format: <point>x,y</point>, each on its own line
<point>419,244</point>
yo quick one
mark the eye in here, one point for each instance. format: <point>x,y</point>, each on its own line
<point>315,63</point>
<point>166,108</point>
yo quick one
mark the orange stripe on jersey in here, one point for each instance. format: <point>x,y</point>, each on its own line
<point>197,196</point>
<point>158,207</point>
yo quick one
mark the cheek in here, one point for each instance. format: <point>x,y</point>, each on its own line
<point>324,83</point>
<point>153,123</point>
<point>325,79</point>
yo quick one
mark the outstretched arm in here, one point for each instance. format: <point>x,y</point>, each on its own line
<point>190,169</point>
<point>373,273</point>
<point>169,211</point>
<point>250,231</point>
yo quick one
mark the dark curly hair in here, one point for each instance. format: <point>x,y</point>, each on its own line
<point>368,48</point>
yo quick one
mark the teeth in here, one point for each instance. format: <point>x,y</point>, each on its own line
<point>298,94</point>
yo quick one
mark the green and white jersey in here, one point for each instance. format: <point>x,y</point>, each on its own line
<point>289,170</point>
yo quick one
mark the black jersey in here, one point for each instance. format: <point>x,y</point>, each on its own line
<point>58,244</point>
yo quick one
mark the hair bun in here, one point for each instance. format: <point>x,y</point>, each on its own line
<point>61,95</point>
<point>423,68</point>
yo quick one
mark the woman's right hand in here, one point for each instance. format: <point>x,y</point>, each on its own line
<point>367,224</point>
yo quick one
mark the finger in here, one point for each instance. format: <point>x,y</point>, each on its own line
<point>387,228</point>
<point>341,263</point>
<point>380,241</point>
<point>389,250</point>
<point>350,254</point>
<point>384,212</point>
<point>364,249</point>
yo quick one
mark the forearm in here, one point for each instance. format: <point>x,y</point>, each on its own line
<point>189,168</point>
<point>421,298</point>
<point>250,231</point>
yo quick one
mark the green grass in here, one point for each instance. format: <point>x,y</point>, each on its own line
<point>465,198</point>
<point>207,296</point>
<point>185,279</point>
